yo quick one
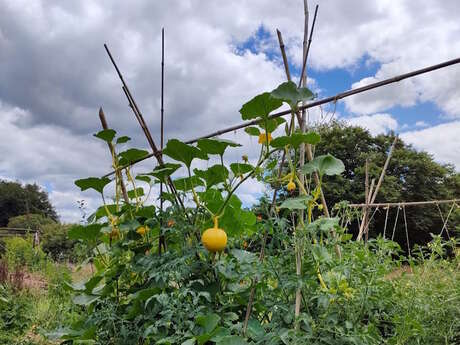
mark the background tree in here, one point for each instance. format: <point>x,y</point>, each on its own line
<point>411,176</point>
<point>17,199</point>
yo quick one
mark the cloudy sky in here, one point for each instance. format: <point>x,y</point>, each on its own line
<point>54,75</point>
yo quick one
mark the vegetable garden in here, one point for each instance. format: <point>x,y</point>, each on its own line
<point>196,267</point>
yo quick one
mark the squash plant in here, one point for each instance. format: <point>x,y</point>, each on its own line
<point>195,294</point>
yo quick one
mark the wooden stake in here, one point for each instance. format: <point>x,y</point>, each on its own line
<point>334,98</point>
<point>113,154</point>
<point>379,183</point>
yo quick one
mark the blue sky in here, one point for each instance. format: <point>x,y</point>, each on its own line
<point>335,80</point>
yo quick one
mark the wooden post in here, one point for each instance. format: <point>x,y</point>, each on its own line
<point>113,153</point>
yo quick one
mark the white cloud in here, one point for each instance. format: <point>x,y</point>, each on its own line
<point>376,124</point>
<point>421,124</point>
<point>55,73</point>
<point>441,141</point>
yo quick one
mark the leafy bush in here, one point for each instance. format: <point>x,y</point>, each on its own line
<point>55,242</point>
<point>19,252</point>
<point>30,221</point>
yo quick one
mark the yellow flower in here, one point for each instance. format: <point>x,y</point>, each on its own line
<point>263,138</point>
<point>291,186</point>
<point>142,230</point>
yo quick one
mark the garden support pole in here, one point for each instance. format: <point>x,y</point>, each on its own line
<point>374,195</point>
<point>140,118</point>
<point>326,100</point>
<point>113,153</point>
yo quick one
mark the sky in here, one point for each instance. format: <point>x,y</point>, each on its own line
<point>55,74</point>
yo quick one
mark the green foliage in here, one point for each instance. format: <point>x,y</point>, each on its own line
<point>30,221</point>
<point>56,243</point>
<point>411,176</point>
<point>19,252</point>
<point>17,199</point>
<point>155,283</point>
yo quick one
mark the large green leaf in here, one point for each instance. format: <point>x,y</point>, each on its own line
<point>138,192</point>
<point>107,135</point>
<point>325,164</point>
<point>260,106</point>
<point>213,175</point>
<point>215,146</point>
<point>102,212</point>
<point>255,329</point>
<point>299,203</point>
<point>289,93</point>
<point>212,198</point>
<point>95,183</point>
<point>231,340</point>
<point>187,183</point>
<point>235,220</point>
<point>162,172</point>
<point>241,168</point>
<point>87,233</point>
<point>295,140</point>
<point>254,131</point>
<point>184,153</point>
<point>131,155</point>
<point>321,254</point>
<point>85,299</point>
<point>272,124</point>
<point>209,322</point>
<point>243,256</point>
<point>123,139</point>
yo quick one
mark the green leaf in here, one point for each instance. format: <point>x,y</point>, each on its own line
<point>325,164</point>
<point>231,340</point>
<point>144,294</point>
<point>85,299</point>
<point>209,322</point>
<point>299,203</point>
<point>190,341</point>
<point>272,124</point>
<point>241,168</point>
<point>87,233</point>
<point>243,256</point>
<point>138,191</point>
<point>252,131</point>
<point>95,183</point>
<point>260,106</point>
<point>215,146</point>
<point>213,175</point>
<point>123,139</point>
<point>184,153</point>
<point>131,155</point>
<point>146,212</point>
<point>212,198</point>
<point>289,93</point>
<point>102,212</point>
<point>162,172</point>
<point>296,139</point>
<point>255,329</point>
<point>321,254</point>
<point>107,135</point>
<point>187,183</point>
<point>143,178</point>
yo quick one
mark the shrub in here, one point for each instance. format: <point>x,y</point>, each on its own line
<point>30,221</point>
<point>20,252</point>
<point>55,243</point>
